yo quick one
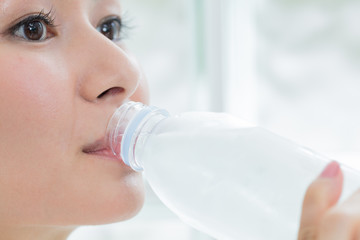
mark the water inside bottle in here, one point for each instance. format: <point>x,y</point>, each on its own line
<point>226,168</point>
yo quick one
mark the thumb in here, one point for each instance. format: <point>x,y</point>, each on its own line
<point>322,194</point>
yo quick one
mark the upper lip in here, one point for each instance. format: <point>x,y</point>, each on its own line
<point>96,146</point>
<point>102,143</point>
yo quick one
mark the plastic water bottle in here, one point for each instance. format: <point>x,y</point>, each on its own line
<point>225,177</point>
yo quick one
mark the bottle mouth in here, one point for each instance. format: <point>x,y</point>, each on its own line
<point>124,126</point>
<point>119,122</point>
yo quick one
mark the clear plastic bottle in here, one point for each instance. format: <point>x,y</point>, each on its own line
<point>225,177</point>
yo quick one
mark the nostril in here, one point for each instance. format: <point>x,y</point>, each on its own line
<point>111,91</point>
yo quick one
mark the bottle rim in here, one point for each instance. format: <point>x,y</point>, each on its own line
<point>124,127</point>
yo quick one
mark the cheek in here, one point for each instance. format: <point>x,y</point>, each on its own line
<point>32,108</point>
<point>31,84</point>
<point>33,95</point>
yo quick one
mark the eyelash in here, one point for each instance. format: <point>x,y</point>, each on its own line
<point>46,18</point>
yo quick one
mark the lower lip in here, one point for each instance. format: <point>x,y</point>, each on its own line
<point>106,153</point>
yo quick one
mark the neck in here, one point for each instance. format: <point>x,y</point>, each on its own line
<point>35,232</point>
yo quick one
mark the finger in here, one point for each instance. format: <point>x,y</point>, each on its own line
<point>321,195</point>
<point>343,221</point>
<point>337,225</point>
<point>357,235</point>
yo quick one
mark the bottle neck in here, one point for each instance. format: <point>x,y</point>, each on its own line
<point>129,127</point>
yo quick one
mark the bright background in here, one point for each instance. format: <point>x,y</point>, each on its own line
<point>291,66</point>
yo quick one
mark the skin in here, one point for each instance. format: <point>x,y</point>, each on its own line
<point>50,109</point>
<point>323,218</point>
<point>54,101</point>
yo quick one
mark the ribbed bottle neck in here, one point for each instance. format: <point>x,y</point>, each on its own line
<point>130,124</point>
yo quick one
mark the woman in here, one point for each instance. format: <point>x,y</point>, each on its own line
<point>63,72</point>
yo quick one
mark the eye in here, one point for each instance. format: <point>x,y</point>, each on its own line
<point>32,31</point>
<point>111,28</point>
<point>34,28</point>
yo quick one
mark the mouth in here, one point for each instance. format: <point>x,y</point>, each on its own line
<point>100,148</point>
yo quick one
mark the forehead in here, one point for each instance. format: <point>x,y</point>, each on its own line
<point>13,7</point>
<point>5,4</point>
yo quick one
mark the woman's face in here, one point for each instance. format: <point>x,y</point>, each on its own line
<point>63,72</point>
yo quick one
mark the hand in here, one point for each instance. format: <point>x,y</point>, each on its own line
<point>322,218</point>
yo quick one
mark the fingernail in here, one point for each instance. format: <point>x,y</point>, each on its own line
<point>331,170</point>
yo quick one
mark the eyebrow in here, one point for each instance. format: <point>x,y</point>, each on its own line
<point>97,1</point>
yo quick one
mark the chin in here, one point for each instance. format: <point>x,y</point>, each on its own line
<point>122,207</point>
<point>104,202</point>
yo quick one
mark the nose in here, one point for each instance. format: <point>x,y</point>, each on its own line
<point>105,71</point>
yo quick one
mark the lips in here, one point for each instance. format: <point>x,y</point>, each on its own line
<point>99,147</point>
